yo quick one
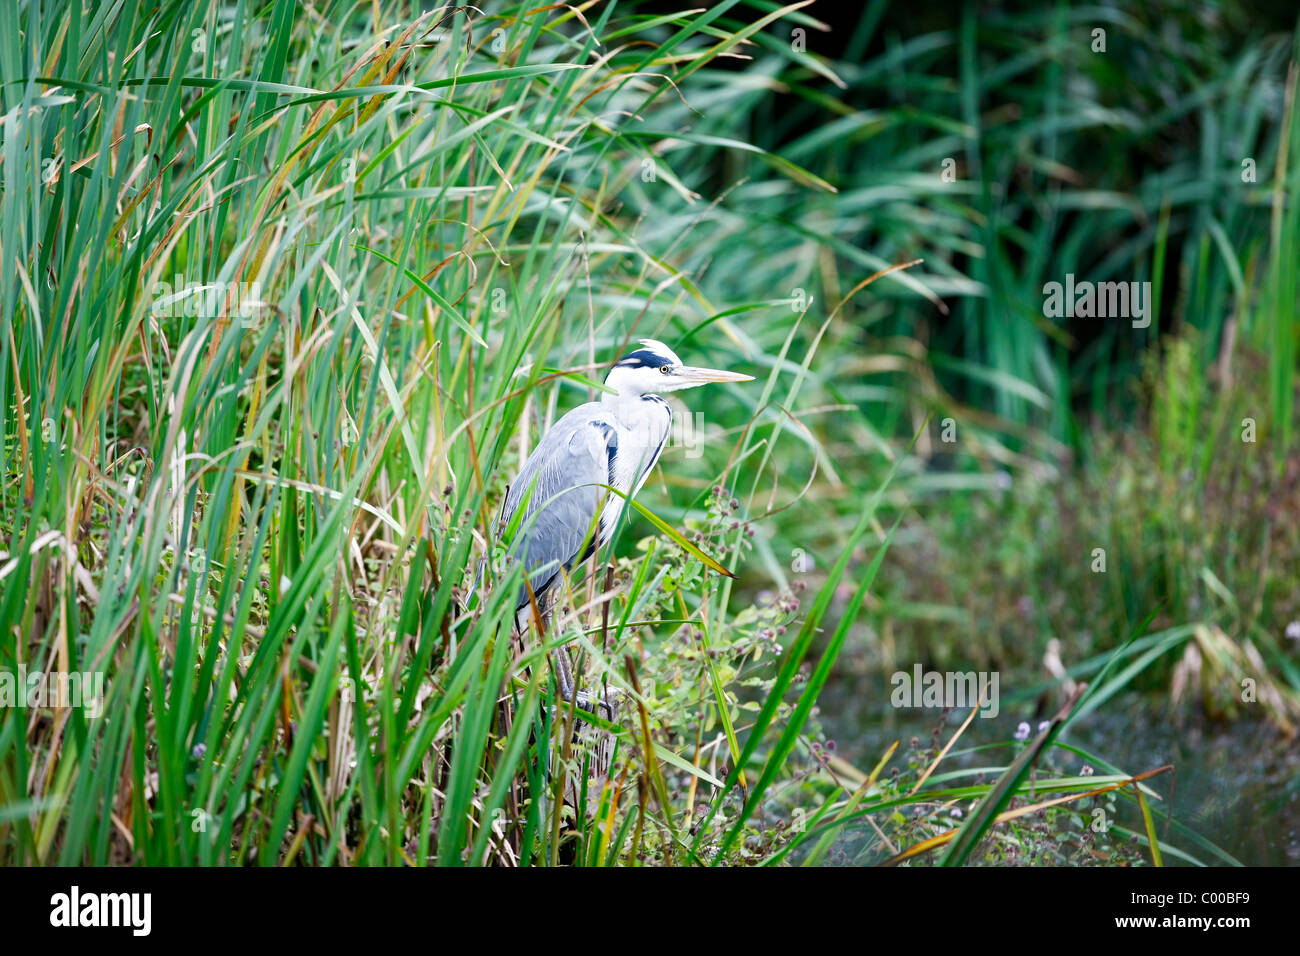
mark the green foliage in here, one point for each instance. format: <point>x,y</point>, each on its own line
<point>290,291</point>
<point>1192,521</point>
<point>286,281</point>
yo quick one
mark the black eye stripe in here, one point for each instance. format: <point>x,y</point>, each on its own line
<point>643,358</point>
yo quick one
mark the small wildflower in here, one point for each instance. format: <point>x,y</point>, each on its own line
<point>1085,771</point>
<point>1022,732</point>
<point>1043,725</point>
<point>1293,630</point>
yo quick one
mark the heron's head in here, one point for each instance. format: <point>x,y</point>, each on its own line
<point>654,368</point>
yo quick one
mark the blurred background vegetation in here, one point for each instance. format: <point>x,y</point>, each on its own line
<point>262,522</point>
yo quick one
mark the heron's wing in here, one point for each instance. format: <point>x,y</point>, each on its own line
<point>560,491</point>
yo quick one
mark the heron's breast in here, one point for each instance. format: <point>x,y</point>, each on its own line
<point>643,428</point>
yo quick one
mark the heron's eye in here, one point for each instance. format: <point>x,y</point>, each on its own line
<point>666,369</point>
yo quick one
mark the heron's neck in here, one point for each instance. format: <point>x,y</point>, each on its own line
<point>637,407</point>
<point>619,398</point>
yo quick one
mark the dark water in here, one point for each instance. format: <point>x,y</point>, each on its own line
<point>1237,785</point>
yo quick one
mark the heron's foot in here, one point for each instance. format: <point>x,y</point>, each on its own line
<point>600,705</point>
<point>604,707</point>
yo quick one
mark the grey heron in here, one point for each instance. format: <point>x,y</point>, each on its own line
<point>567,511</point>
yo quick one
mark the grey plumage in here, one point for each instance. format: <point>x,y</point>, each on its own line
<point>567,509</point>
<point>559,488</point>
<point>614,443</point>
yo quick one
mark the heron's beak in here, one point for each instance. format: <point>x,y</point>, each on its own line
<point>689,375</point>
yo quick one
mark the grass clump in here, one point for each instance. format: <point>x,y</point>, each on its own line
<point>1186,515</point>
<point>294,290</point>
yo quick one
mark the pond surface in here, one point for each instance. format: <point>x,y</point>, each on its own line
<point>1237,785</point>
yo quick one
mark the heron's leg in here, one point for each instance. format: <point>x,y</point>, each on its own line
<point>558,658</point>
<point>596,704</point>
<point>607,708</point>
<point>564,674</point>
<point>592,703</point>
